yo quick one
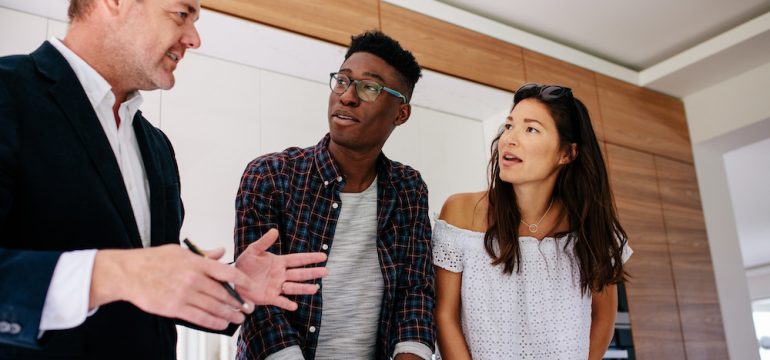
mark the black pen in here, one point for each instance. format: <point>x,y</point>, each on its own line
<point>227,286</point>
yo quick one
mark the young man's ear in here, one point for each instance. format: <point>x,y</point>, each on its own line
<point>570,155</point>
<point>404,111</point>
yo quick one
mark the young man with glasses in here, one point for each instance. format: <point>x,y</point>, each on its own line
<point>368,213</point>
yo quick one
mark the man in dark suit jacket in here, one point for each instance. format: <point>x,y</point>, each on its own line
<point>65,186</point>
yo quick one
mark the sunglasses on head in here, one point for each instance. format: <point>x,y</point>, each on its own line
<point>546,92</point>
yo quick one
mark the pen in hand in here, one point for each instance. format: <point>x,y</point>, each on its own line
<point>227,286</point>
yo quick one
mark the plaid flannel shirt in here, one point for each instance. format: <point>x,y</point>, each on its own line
<point>297,192</point>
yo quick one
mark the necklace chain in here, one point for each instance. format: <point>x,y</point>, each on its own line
<point>533,227</point>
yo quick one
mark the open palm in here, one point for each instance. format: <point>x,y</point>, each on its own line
<point>274,276</point>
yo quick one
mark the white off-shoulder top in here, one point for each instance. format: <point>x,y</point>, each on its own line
<point>538,313</point>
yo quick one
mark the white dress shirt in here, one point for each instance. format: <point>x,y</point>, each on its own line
<point>66,303</point>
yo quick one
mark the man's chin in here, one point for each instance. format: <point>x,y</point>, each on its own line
<point>167,85</point>
<point>157,84</point>
<point>343,140</point>
<point>164,81</point>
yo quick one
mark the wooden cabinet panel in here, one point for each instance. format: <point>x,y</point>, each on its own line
<point>699,310</point>
<point>652,303</point>
<point>603,146</point>
<point>642,119</point>
<point>330,20</point>
<point>454,50</point>
<point>546,70</point>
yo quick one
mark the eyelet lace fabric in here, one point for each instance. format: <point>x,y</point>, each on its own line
<point>538,313</point>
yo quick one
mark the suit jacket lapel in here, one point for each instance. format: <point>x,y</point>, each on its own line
<point>151,168</point>
<point>68,93</point>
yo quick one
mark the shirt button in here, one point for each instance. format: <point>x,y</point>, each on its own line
<point>311,329</point>
<point>326,183</point>
<point>15,329</point>
<point>339,178</point>
<point>4,327</point>
<point>325,246</point>
<point>335,205</point>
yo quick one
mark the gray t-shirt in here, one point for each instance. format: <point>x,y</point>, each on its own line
<point>352,292</point>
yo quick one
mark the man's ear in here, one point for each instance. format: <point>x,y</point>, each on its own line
<point>404,111</point>
<point>113,6</point>
<point>570,155</point>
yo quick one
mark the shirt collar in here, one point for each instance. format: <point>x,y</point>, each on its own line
<point>97,89</point>
<point>330,172</point>
<point>326,166</point>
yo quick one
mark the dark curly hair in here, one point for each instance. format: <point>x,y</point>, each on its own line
<point>386,48</point>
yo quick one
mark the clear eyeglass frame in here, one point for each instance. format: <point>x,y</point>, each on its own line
<point>367,90</point>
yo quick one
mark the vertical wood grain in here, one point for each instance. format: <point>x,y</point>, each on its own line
<point>699,310</point>
<point>643,119</point>
<point>652,301</point>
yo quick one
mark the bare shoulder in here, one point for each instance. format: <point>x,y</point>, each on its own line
<point>466,211</point>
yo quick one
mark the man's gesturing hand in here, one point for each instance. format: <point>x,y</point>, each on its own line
<point>273,276</point>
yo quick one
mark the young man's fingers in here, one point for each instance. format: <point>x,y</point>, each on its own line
<point>292,288</point>
<point>264,242</point>
<point>306,274</point>
<point>284,303</point>
<point>302,259</point>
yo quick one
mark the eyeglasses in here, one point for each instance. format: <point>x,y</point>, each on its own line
<point>367,90</point>
<point>546,92</point>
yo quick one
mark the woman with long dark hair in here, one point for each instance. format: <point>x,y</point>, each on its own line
<point>528,269</point>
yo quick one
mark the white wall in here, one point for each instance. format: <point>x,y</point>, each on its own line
<point>721,118</point>
<point>759,283</point>
<point>730,105</point>
<point>252,89</point>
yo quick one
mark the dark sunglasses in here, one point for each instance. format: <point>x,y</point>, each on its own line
<point>546,92</point>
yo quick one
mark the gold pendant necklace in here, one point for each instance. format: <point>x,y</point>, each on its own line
<point>533,227</point>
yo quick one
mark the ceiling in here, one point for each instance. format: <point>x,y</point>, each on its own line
<point>675,47</point>
<point>634,34</point>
